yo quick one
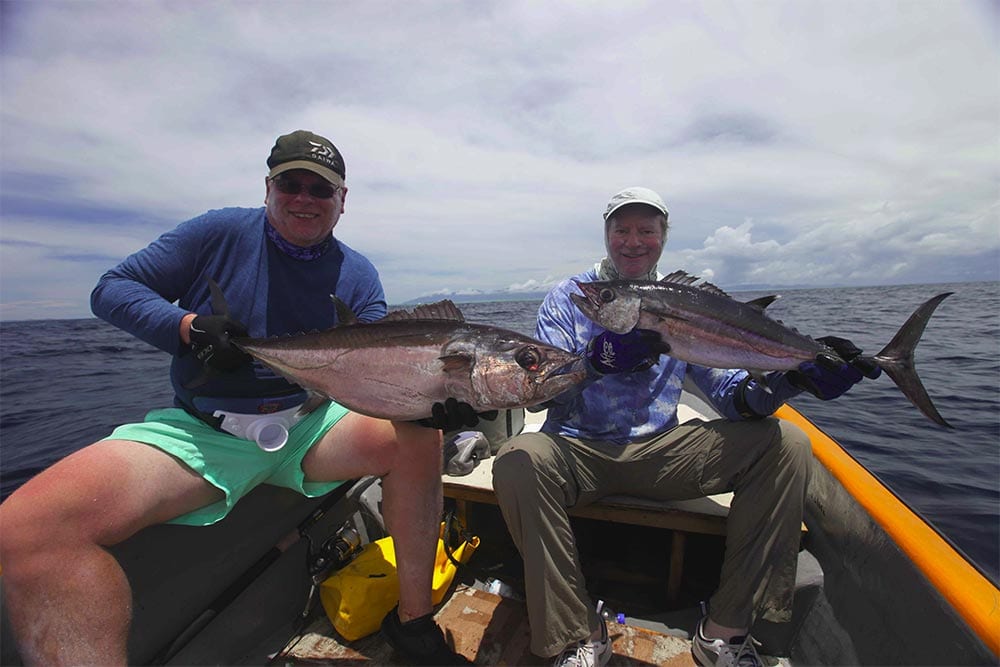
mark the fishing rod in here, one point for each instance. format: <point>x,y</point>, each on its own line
<point>223,600</point>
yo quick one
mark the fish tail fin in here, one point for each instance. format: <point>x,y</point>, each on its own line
<point>896,358</point>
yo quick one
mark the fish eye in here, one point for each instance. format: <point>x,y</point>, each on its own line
<point>607,295</point>
<point>528,358</point>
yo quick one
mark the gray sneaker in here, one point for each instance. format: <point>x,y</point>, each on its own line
<point>740,652</point>
<point>587,653</point>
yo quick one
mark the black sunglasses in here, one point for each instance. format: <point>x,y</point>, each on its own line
<point>289,186</point>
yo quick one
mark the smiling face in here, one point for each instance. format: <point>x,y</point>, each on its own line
<point>635,236</point>
<point>302,218</point>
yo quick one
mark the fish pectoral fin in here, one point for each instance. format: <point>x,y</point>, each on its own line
<point>345,316</point>
<point>456,363</point>
<point>207,374</point>
<point>664,317</point>
<point>314,401</point>
<point>761,380</point>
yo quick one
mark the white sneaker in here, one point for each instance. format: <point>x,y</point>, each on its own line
<point>587,653</point>
<point>740,652</point>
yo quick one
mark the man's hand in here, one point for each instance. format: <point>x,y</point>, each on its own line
<point>851,353</point>
<point>827,378</point>
<point>624,353</point>
<point>210,340</point>
<point>453,415</point>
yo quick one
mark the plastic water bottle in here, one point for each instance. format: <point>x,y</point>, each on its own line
<point>609,614</point>
<point>500,588</point>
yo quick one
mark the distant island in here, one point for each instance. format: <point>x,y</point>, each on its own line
<point>479,296</point>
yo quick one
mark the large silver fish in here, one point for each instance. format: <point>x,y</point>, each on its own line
<point>398,367</point>
<point>702,325</point>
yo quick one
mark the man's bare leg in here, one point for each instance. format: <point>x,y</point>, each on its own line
<point>68,599</point>
<point>408,458</point>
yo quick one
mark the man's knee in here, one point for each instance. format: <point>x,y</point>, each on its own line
<point>31,529</point>
<point>509,466</point>
<point>520,463</point>
<point>794,442</point>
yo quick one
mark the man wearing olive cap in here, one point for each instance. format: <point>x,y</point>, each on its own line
<point>67,597</point>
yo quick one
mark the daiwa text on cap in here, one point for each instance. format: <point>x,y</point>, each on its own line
<point>304,150</point>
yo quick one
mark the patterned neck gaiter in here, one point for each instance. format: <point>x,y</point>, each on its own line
<point>606,271</point>
<point>306,254</point>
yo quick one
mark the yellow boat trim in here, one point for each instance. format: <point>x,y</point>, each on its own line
<point>973,596</point>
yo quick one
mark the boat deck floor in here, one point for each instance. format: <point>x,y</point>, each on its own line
<point>489,630</point>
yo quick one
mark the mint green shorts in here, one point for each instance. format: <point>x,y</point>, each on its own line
<point>234,465</point>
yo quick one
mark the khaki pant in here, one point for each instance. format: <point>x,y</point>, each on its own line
<point>765,463</point>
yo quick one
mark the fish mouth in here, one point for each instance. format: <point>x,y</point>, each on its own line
<point>600,303</point>
<point>590,301</point>
<point>573,367</point>
<point>560,378</point>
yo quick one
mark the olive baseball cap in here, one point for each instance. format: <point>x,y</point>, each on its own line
<point>635,195</point>
<point>304,150</point>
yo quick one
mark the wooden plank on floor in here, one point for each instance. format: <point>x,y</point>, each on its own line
<point>490,630</point>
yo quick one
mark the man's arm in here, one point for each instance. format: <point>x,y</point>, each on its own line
<point>138,294</point>
<point>556,326</point>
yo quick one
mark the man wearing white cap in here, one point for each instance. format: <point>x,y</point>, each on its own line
<point>618,432</point>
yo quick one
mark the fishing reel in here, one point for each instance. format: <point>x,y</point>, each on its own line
<point>335,552</point>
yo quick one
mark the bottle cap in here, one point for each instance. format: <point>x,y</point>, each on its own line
<point>269,436</point>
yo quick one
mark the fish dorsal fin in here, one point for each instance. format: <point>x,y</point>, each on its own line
<point>345,315</point>
<point>680,278</point>
<point>684,278</point>
<point>442,310</point>
<point>763,302</point>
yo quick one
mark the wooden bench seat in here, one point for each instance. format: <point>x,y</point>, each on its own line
<point>700,515</point>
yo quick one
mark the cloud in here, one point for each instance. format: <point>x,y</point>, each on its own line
<point>824,143</point>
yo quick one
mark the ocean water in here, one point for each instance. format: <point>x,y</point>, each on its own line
<point>67,383</point>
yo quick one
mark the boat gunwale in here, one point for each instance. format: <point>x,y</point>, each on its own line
<point>971,594</point>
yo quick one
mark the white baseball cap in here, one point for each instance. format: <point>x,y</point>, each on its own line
<point>635,195</point>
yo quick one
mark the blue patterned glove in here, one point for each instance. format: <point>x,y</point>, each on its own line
<point>624,353</point>
<point>827,378</point>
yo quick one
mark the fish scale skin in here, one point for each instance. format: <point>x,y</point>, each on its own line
<point>721,344</point>
<point>398,369</point>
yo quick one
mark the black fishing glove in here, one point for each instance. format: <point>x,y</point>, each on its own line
<point>634,351</point>
<point>851,353</point>
<point>453,415</point>
<point>210,340</point>
<point>827,378</point>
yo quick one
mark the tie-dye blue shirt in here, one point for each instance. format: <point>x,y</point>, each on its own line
<point>626,407</point>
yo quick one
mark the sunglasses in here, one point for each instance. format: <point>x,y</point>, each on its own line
<point>289,186</point>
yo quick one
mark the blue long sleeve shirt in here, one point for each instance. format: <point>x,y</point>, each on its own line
<point>625,407</point>
<point>272,293</point>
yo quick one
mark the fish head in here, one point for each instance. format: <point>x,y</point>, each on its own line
<point>610,304</point>
<point>508,370</point>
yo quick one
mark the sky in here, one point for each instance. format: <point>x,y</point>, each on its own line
<point>821,143</point>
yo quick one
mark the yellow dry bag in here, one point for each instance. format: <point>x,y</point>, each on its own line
<point>358,596</point>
